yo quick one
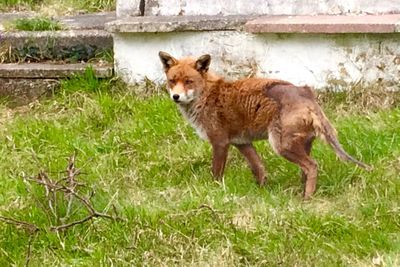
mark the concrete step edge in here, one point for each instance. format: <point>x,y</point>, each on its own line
<point>52,71</point>
<point>56,34</point>
<point>98,38</point>
<point>75,22</point>
<point>148,24</point>
<point>381,23</point>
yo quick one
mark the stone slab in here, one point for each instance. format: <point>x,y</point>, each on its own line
<point>18,92</point>
<point>99,38</point>
<point>325,24</point>
<point>51,71</point>
<point>93,21</point>
<point>177,23</point>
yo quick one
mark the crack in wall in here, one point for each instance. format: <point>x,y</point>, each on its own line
<point>142,6</point>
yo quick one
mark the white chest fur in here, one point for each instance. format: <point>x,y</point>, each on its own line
<point>192,117</point>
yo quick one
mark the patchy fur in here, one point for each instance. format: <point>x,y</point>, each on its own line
<point>240,112</point>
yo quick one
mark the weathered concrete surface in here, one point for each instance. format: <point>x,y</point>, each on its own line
<point>318,60</point>
<point>49,71</point>
<point>178,23</point>
<point>5,17</point>
<point>128,8</point>
<point>98,38</point>
<point>258,7</point>
<point>13,15</point>
<point>388,23</point>
<point>23,91</point>
<point>93,21</point>
<point>325,24</point>
<point>86,37</point>
<point>23,83</point>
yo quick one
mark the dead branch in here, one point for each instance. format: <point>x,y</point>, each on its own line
<point>89,217</point>
<point>26,225</point>
<point>71,181</point>
<point>205,206</point>
<point>68,187</point>
<point>29,249</point>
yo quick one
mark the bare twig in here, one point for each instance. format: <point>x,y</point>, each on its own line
<point>83,200</point>
<point>89,217</point>
<point>36,199</point>
<point>28,226</point>
<point>50,192</point>
<point>208,207</point>
<point>68,187</point>
<point>205,206</point>
<point>71,182</point>
<point>67,225</point>
<point>115,210</point>
<point>29,249</point>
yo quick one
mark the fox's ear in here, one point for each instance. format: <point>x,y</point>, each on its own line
<point>167,60</point>
<point>203,63</point>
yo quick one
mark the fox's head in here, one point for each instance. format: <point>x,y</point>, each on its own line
<point>185,77</point>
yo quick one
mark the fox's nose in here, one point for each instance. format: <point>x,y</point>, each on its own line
<point>175,97</point>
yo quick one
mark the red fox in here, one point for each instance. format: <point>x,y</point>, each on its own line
<point>237,113</point>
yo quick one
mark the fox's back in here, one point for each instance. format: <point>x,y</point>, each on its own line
<point>243,108</point>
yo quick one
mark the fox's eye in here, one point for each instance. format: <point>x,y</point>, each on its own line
<point>188,82</point>
<point>171,81</point>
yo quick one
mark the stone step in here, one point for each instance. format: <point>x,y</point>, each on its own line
<point>143,24</point>
<point>23,83</point>
<point>84,37</point>
<point>51,71</point>
<point>96,38</point>
<point>23,91</point>
<point>72,45</point>
<point>92,21</point>
<point>385,23</point>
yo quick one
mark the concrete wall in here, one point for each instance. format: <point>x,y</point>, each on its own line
<point>270,7</point>
<point>316,60</point>
<point>128,8</point>
<point>319,60</point>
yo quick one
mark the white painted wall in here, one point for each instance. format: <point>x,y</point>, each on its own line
<point>315,60</point>
<point>126,8</point>
<point>270,7</point>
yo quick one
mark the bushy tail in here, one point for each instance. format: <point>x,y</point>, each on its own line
<point>326,131</point>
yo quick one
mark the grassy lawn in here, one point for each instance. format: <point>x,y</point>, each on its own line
<point>58,7</point>
<point>138,154</point>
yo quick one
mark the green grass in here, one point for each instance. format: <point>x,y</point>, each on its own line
<point>34,24</point>
<point>54,7</point>
<point>17,4</point>
<point>138,154</point>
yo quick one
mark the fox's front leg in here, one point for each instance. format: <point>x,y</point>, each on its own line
<point>254,160</point>
<point>220,153</point>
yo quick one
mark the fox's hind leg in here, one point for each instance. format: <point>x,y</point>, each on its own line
<point>296,147</point>
<point>254,161</point>
<point>307,147</point>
